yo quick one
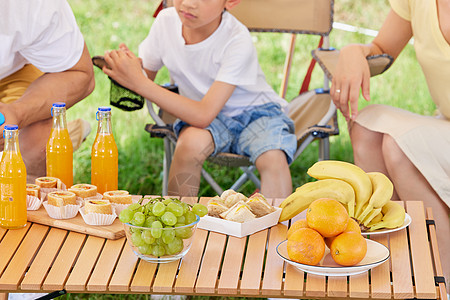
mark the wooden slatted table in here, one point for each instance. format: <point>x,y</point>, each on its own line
<point>40,258</point>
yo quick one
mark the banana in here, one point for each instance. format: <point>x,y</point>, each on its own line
<point>393,216</point>
<point>375,212</point>
<point>382,189</point>
<point>307,193</point>
<point>376,219</point>
<point>348,172</point>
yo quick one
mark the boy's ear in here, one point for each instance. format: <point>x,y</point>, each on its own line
<point>231,3</point>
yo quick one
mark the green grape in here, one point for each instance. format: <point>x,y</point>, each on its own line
<point>145,249</point>
<point>169,218</point>
<point>138,219</point>
<point>185,207</point>
<point>167,201</point>
<point>181,220</point>
<point>199,209</point>
<point>149,220</point>
<point>147,237</point>
<point>176,209</point>
<point>175,246</point>
<point>158,250</point>
<point>190,217</point>
<point>156,229</point>
<point>158,209</point>
<point>168,235</point>
<point>126,215</point>
<point>183,232</point>
<point>136,239</point>
<point>133,206</point>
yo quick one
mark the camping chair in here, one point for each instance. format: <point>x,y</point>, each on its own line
<point>313,112</point>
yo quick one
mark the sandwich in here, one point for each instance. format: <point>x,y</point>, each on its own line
<point>47,182</point>
<point>240,212</point>
<point>62,198</point>
<point>234,198</point>
<point>118,197</point>
<point>33,190</point>
<point>98,206</point>
<point>259,205</point>
<point>227,193</point>
<point>216,207</point>
<point>83,190</point>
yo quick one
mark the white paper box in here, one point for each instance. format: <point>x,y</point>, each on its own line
<point>239,229</point>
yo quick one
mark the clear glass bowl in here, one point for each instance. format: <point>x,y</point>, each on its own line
<point>162,245</point>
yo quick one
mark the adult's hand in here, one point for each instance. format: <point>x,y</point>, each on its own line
<point>352,74</point>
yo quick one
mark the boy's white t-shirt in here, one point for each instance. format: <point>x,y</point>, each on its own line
<point>228,55</point>
<point>39,32</point>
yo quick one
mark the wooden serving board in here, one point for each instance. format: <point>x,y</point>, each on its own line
<point>77,224</point>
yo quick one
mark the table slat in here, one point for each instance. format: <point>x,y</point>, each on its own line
<point>380,276</point>
<point>10,243</point>
<point>143,278</point>
<point>124,271</point>
<point>315,286</point>
<point>253,263</point>
<point>294,281</point>
<point>21,260</point>
<point>85,264</point>
<point>209,269</point>
<point>337,286</point>
<point>64,261</point>
<point>359,285</point>
<point>105,265</point>
<point>420,251</point>
<point>190,264</point>
<point>273,271</point>
<point>165,277</point>
<point>41,264</point>
<point>231,268</point>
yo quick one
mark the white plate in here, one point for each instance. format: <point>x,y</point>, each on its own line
<point>376,254</point>
<point>388,230</point>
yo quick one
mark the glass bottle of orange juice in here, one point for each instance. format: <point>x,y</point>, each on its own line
<point>13,182</point>
<point>104,155</point>
<point>59,147</point>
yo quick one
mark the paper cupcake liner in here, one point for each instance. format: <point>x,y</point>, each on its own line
<point>62,212</point>
<point>33,203</point>
<point>98,219</point>
<point>119,207</point>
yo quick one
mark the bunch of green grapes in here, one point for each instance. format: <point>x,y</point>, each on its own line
<point>169,222</point>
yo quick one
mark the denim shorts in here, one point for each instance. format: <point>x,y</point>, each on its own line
<point>252,132</point>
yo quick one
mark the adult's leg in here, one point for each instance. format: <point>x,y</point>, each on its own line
<point>276,179</point>
<point>194,145</point>
<point>410,184</point>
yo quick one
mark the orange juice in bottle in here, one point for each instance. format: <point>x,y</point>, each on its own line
<point>13,182</point>
<point>59,147</point>
<point>104,155</point>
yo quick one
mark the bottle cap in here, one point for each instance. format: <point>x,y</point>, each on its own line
<point>104,108</point>
<point>59,104</point>
<point>2,119</point>
<point>11,127</point>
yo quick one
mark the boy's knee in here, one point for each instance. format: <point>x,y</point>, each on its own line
<point>272,159</point>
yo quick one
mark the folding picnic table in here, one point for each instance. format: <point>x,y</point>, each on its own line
<point>40,258</point>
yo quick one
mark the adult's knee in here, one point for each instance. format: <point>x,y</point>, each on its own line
<point>392,153</point>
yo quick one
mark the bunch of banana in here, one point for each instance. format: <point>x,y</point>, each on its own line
<point>365,195</point>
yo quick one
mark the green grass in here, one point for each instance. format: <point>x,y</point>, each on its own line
<point>107,23</point>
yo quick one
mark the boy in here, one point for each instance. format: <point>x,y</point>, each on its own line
<point>225,104</point>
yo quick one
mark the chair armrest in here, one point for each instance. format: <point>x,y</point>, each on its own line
<point>327,59</point>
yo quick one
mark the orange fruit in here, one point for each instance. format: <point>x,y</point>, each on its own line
<point>352,226</point>
<point>348,248</point>
<point>296,225</point>
<point>328,216</point>
<point>306,246</point>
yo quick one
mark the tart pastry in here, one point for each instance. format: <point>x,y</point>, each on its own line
<point>62,198</point>
<point>259,205</point>
<point>118,197</point>
<point>33,190</point>
<point>83,190</point>
<point>47,182</point>
<point>98,206</point>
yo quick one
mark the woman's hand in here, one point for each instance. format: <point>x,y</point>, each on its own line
<point>124,67</point>
<point>352,74</point>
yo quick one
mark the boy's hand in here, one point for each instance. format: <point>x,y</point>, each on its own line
<point>124,67</point>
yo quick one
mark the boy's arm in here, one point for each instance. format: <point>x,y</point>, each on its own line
<point>125,68</point>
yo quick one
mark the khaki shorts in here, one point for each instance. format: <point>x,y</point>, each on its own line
<point>13,86</point>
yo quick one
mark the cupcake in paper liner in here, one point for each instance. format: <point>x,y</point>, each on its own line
<point>84,190</point>
<point>62,205</point>
<point>48,185</point>
<point>98,212</point>
<point>120,199</point>
<point>33,203</point>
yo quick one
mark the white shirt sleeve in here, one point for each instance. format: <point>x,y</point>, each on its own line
<point>149,49</point>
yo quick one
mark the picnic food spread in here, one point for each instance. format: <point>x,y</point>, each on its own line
<point>366,196</point>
